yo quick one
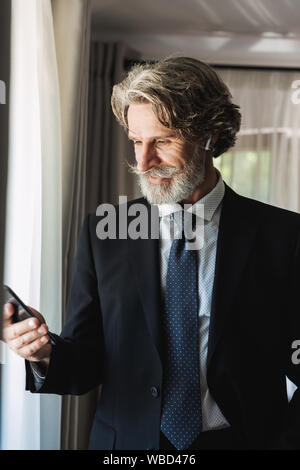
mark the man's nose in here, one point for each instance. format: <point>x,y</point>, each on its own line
<point>146,157</point>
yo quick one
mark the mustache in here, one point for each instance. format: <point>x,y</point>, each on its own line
<point>158,172</point>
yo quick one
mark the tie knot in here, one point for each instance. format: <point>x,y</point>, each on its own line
<point>186,223</point>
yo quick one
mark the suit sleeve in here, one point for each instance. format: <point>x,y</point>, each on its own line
<point>77,357</point>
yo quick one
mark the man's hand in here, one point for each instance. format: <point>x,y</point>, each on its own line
<point>27,338</point>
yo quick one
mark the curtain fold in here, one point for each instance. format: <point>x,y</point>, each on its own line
<point>72,39</point>
<point>108,146</point>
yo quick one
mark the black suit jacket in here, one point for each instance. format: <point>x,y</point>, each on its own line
<point>113,331</point>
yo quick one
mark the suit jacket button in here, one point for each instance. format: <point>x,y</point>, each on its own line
<point>154,392</point>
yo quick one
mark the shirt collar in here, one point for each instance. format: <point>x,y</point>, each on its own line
<point>210,201</point>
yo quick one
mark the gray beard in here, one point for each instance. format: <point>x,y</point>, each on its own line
<point>179,187</point>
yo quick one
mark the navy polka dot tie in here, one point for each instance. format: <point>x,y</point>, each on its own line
<point>181,419</point>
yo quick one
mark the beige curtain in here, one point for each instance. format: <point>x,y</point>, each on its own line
<point>108,145</point>
<point>72,37</point>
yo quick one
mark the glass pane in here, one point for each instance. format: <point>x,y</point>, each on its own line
<point>246,172</point>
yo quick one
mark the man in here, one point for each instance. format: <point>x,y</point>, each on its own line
<point>192,347</point>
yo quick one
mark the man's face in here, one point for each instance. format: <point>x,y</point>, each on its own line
<point>169,168</point>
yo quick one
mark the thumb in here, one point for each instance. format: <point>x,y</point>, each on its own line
<point>9,309</point>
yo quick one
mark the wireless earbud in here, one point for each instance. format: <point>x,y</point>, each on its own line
<point>208,143</point>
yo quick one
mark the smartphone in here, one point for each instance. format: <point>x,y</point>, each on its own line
<point>21,311</point>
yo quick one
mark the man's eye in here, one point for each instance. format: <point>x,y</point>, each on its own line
<point>161,142</point>
<point>136,142</point>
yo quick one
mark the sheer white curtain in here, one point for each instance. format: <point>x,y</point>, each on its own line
<point>265,163</point>
<point>33,229</point>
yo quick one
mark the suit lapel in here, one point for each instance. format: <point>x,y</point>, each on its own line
<point>237,229</point>
<point>144,258</point>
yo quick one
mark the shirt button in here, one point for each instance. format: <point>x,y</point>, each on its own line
<point>154,392</point>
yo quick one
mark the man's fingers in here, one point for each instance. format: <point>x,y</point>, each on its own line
<point>18,329</point>
<point>32,348</point>
<point>27,338</point>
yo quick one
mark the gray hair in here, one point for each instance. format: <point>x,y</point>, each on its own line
<point>187,96</point>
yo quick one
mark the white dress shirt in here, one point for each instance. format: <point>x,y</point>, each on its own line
<point>212,417</point>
